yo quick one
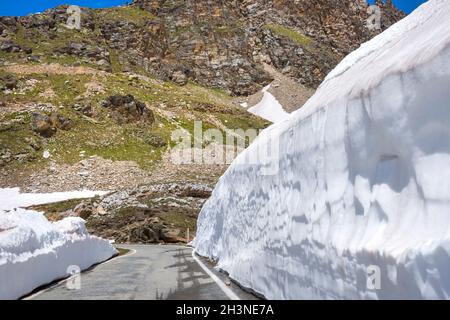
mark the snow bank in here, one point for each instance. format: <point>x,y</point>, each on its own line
<point>269,108</point>
<point>34,251</point>
<point>363,187</point>
<point>12,198</point>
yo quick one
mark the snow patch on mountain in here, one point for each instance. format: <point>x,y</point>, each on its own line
<point>12,197</point>
<point>362,189</point>
<point>269,108</point>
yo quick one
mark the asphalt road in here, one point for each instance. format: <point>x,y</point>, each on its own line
<point>146,273</point>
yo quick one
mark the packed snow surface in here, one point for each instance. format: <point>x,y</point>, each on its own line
<point>269,108</point>
<point>34,251</point>
<point>12,198</point>
<point>359,206</point>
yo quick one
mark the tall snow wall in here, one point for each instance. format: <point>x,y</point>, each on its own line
<point>359,204</point>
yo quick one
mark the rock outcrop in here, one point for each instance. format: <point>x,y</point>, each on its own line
<point>47,126</point>
<point>126,109</point>
<point>216,43</point>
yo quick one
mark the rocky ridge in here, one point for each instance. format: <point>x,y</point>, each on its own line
<point>215,43</point>
<point>95,108</point>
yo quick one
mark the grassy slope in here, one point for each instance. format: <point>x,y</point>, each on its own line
<point>174,106</point>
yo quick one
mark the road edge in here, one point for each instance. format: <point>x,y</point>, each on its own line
<point>229,293</point>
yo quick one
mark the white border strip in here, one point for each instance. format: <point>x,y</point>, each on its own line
<point>230,294</point>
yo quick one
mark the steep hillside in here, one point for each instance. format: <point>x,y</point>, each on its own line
<point>215,43</point>
<point>96,108</point>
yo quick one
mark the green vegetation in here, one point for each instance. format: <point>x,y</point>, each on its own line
<point>289,33</point>
<point>179,220</point>
<point>57,207</point>
<point>174,107</point>
<point>56,88</point>
<point>114,60</point>
<point>122,251</point>
<point>127,13</point>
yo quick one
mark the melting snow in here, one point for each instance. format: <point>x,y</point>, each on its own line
<point>269,108</point>
<point>34,251</point>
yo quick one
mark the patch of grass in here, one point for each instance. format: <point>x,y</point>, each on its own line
<point>174,107</point>
<point>114,60</point>
<point>57,207</point>
<point>66,88</point>
<point>244,122</point>
<point>179,220</point>
<point>126,212</point>
<point>122,251</point>
<point>127,13</point>
<point>292,34</point>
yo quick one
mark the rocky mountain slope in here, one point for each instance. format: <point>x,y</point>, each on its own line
<point>95,108</point>
<point>215,43</point>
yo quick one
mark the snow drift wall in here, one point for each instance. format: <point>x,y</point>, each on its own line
<point>363,180</point>
<point>35,252</point>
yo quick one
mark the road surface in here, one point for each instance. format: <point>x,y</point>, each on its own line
<point>147,273</point>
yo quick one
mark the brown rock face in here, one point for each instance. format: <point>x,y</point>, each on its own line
<point>216,43</point>
<point>222,42</point>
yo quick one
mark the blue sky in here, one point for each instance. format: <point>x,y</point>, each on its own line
<point>406,5</point>
<point>24,7</point>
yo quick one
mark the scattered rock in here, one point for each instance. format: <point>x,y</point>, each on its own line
<point>34,144</point>
<point>34,58</point>
<point>179,78</point>
<point>9,82</point>
<point>47,126</point>
<point>155,141</point>
<point>47,94</point>
<point>85,108</point>
<point>5,156</point>
<point>59,122</point>
<point>172,235</point>
<point>154,220</point>
<point>27,49</point>
<point>100,211</point>
<point>23,157</point>
<point>42,125</point>
<point>126,109</point>
<point>144,234</point>
<point>83,210</point>
<point>9,46</point>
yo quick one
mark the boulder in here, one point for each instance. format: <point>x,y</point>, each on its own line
<point>126,109</point>
<point>47,126</point>
<point>9,46</point>
<point>155,141</point>
<point>144,234</point>
<point>59,122</point>
<point>9,82</point>
<point>179,78</point>
<point>42,125</point>
<point>83,210</point>
<point>172,235</point>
